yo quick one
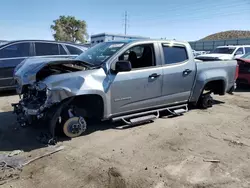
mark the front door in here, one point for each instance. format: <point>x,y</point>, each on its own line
<point>178,74</point>
<point>140,88</point>
<point>10,57</point>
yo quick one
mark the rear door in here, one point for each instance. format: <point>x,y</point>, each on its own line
<point>10,57</point>
<point>47,49</point>
<point>178,73</point>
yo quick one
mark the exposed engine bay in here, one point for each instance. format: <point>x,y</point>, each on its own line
<point>55,69</point>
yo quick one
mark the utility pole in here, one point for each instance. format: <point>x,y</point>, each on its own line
<point>125,22</point>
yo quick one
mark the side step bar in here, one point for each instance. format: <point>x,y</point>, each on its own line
<point>147,116</point>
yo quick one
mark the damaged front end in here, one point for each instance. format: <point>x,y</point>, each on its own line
<point>43,102</point>
<point>33,104</point>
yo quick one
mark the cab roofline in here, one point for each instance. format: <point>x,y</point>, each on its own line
<point>149,40</point>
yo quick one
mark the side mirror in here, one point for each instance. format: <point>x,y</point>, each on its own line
<point>121,66</point>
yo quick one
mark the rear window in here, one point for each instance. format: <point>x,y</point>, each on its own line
<point>174,54</point>
<point>223,50</point>
<point>73,50</point>
<point>43,49</point>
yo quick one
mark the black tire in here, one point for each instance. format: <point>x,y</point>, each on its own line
<point>205,101</point>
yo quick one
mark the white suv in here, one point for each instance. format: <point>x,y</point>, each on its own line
<point>226,52</point>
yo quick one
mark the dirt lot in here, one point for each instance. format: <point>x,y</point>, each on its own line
<point>171,152</point>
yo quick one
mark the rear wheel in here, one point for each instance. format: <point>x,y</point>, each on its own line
<point>205,101</point>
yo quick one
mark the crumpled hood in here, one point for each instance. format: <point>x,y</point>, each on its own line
<point>216,56</point>
<point>25,73</point>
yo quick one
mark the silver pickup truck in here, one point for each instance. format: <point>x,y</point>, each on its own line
<point>130,81</point>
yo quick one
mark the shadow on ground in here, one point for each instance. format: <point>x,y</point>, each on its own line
<point>14,137</point>
<point>218,102</point>
<point>243,89</point>
<point>7,93</point>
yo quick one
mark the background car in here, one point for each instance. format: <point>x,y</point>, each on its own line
<point>14,52</point>
<point>226,52</point>
<point>244,70</point>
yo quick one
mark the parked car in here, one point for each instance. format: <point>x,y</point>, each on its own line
<point>197,53</point>
<point>225,53</point>
<point>244,70</point>
<point>13,53</point>
<point>104,83</point>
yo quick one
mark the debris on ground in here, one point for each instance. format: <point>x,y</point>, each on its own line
<point>44,155</point>
<point>10,167</point>
<point>212,160</point>
<point>15,152</point>
<point>46,138</point>
<point>234,142</point>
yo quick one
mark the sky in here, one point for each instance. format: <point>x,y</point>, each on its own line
<point>172,19</point>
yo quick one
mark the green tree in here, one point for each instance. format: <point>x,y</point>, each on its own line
<point>68,28</point>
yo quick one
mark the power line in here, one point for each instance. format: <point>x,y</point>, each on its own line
<point>193,17</point>
<point>125,23</point>
<point>214,7</point>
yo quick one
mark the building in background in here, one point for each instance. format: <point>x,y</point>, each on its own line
<point>209,45</point>
<point>104,37</point>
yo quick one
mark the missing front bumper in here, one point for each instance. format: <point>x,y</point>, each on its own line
<point>26,116</point>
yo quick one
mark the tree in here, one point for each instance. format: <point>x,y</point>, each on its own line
<point>68,28</point>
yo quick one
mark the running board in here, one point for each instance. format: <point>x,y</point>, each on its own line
<point>143,117</point>
<point>137,121</point>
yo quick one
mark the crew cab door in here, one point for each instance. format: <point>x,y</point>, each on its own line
<point>179,71</point>
<point>139,88</point>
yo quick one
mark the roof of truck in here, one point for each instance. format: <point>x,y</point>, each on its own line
<point>149,40</point>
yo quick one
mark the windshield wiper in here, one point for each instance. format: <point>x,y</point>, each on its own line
<point>90,65</point>
<point>85,62</point>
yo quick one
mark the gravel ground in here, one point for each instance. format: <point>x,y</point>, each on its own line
<point>171,152</point>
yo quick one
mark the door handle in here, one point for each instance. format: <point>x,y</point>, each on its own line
<point>154,75</point>
<point>186,72</point>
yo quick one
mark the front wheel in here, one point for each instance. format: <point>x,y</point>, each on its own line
<point>205,101</point>
<point>74,127</point>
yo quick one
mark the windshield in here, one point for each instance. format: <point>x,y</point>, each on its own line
<point>99,53</point>
<point>224,50</point>
<point>246,56</point>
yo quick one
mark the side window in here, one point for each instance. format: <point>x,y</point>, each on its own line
<point>239,51</point>
<point>247,49</point>
<point>15,50</point>
<point>174,54</point>
<point>140,56</point>
<point>61,50</point>
<point>73,50</point>
<point>43,49</point>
